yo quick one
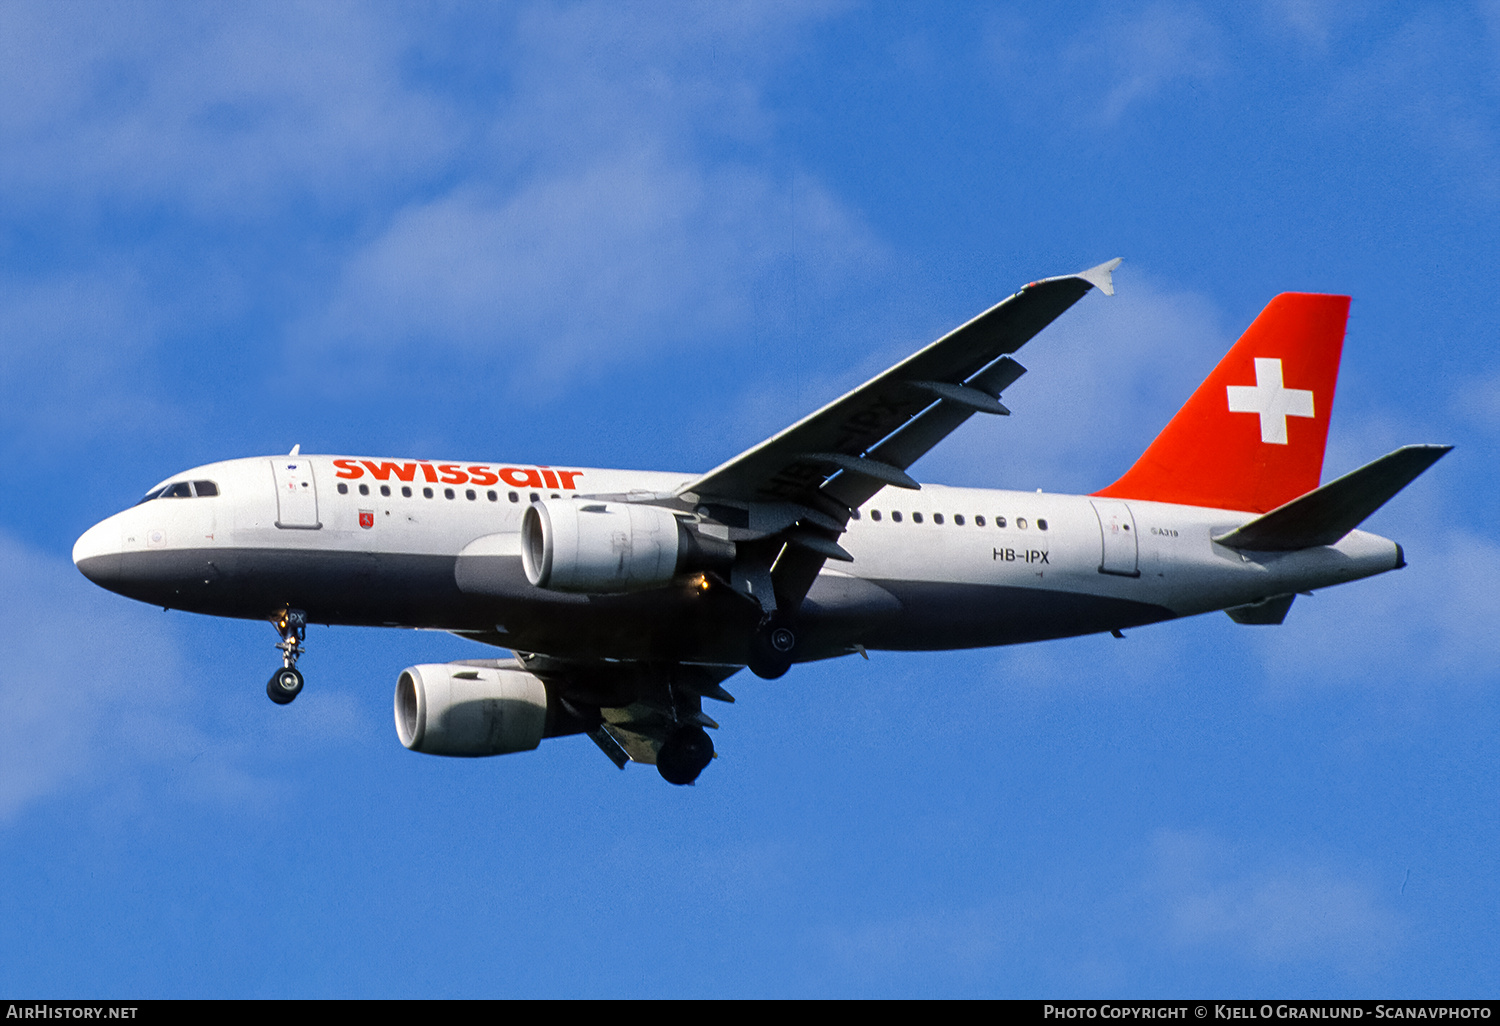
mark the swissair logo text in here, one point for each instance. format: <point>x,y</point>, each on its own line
<point>457,473</point>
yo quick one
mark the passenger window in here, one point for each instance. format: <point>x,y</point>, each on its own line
<point>426,493</point>
<point>1021,523</point>
<point>937,518</point>
<point>535,497</point>
<point>874,514</point>
<point>469,494</point>
<point>385,490</point>
<point>896,515</point>
<point>364,489</point>
<point>343,488</point>
<point>1041,525</point>
<point>916,518</point>
<point>514,497</point>
<point>958,519</point>
<point>854,514</point>
<point>979,521</point>
<point>492,496</point>
<point>204,489</point>
<point>999,521</point>
<point>447,493</point>
<point>406,491</point>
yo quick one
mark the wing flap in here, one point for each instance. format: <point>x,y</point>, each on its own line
<point>922,433</point>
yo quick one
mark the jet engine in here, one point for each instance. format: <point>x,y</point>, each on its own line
<point>605,548</point>
<point>455,709</point>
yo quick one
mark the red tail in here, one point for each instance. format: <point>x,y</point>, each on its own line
<point>1252,436</point>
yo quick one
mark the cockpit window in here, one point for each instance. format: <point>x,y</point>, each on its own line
<point>182,490</point>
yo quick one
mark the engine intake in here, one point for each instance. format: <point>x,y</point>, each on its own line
<point>459,710</point>
<point>579,545</point>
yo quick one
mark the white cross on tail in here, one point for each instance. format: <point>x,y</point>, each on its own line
<point>1269,399</point>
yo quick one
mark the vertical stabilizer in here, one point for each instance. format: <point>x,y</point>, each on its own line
<point>1252,436</point>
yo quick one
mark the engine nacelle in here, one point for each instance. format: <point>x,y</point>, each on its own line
<point>454,709</point>
<point>605,548</point>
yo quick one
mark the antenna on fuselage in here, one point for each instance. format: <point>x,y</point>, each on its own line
<point>295,449</point>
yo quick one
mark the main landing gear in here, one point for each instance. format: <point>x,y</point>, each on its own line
<point>688,749</point>
<point>684,755</point>
<point>286,683</point>
<point>772,647</point>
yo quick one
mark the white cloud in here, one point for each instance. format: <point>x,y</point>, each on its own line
<point>1101,381</point>
<point>77,673</point>
<point>1146,53</point>
<point>593,77</point>
<point>620,260</point>
<point>1119,58</point>
<point>966,944</point>
<point>100,700</point>
<point>1290,911</point>
<point>1314,22</point>
<point>1430,625</point>
<point>75,349</point>
<point>578,189</point>
<point>220,110</point>
<point>1431,83</point>
<point>1476,402</point>
<point>609,217</point>
<point>626,254</point>
<point>1188,897</point>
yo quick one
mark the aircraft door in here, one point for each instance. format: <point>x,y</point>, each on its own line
<point>1121,552</point>
<point>296,493</point>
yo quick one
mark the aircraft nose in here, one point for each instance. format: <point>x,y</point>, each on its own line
<point>97,553</point>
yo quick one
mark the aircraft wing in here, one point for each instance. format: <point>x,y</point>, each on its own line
<point>631,709</point>
<point>797,488</point>
<point>872,434</point>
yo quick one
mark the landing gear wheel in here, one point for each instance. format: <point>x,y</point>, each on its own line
<point>772,648</point>
<point>285,685</point>
<point>684,755</point>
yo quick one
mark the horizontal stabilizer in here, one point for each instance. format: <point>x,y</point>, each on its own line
<point>1326,514</point>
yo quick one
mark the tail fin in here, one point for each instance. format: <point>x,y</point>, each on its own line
<point>1252,435</point>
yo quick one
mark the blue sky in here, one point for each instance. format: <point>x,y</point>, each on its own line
<point>649,236</point>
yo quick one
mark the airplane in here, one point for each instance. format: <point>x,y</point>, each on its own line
<point>628,597</point>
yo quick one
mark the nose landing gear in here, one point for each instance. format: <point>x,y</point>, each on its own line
<point>286,683</point>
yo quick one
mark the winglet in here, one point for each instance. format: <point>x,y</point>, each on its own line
<point>1100,276</point>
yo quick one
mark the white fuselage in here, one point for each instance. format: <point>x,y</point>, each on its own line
<point>936,568</point>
